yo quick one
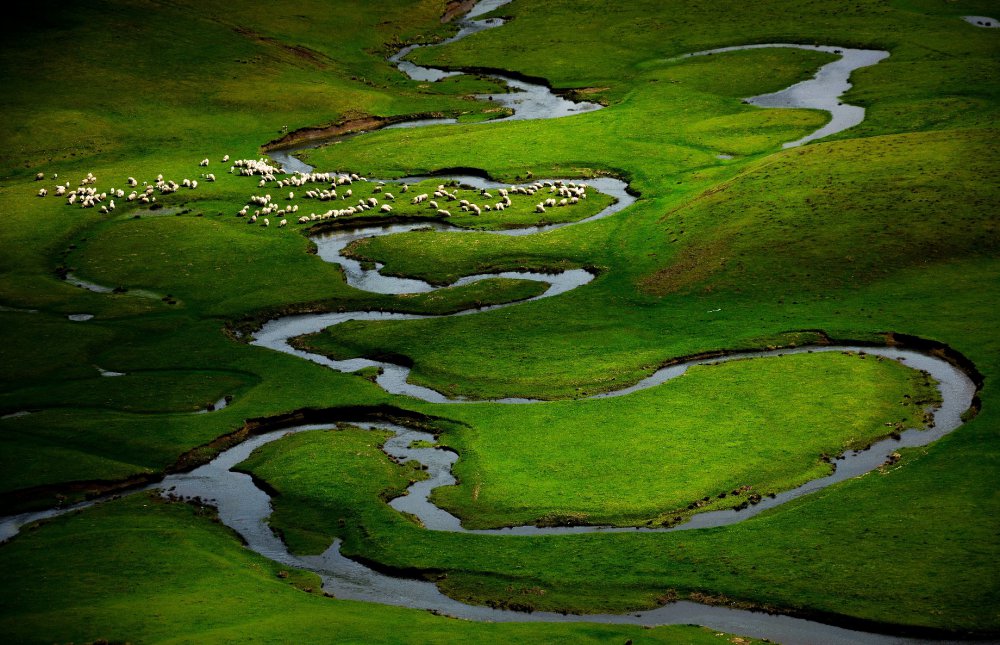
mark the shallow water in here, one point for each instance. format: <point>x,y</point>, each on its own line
<point>821,92</point>
<point>982,21</point>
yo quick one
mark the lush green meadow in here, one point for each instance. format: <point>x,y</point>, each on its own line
<point>887,227</point>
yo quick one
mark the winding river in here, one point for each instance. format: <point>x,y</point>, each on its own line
<point>245,508</point>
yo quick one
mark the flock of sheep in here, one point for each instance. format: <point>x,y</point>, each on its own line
<point>557,194</point>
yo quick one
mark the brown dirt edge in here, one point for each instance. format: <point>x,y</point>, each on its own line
<point>314,134</point>
<point>456,8</point>
<point>55,495</point>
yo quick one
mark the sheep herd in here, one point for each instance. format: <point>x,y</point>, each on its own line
<point>321,187</point>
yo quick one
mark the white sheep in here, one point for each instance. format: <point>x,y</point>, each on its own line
<point>204,162</point>
<point>444,213</point>
<point>386,208</point>
<point>283,223</point>
<point>225,158</point>
<point>267,222</point>
<point>43,193</point>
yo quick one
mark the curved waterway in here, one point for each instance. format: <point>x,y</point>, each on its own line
<point>821,92</point>
<point>245,508</point>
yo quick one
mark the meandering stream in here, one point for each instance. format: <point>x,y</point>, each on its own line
<point>245,508</point>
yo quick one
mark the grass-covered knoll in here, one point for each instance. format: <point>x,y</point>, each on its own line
<point>204,76</point>
<point>859,236</point>
<point>141,570</point>
<point>651,456</point>
<point>296,466</point>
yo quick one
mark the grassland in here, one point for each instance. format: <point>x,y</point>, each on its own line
<point>175,576</point>
<point>886,227</point>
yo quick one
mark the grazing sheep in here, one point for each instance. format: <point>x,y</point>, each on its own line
<point>386,208</point>
<point>40,176</point>
<point>390,196</point>
<point>43,193</point>
<point>267,222</point>
<point>225,158</point>
<point>405,188</point>
<point>204,162</point>
<point>444,213</point>
<point>433,204</point>
<point>283,223</point>
<point>539,208</point>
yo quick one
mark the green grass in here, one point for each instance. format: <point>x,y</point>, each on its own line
<point>885,227</point>
<point>142,570</point>
<point>647,457</point>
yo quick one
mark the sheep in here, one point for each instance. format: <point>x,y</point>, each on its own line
<point>60,190</point>
<point>390,196</point>
<point>539,208</point>
<point>386,208</point>
<point>111,205</point>
<point>225,158</point>
<point>377,189</point>
<point>443,213</point>
<point>194,183</point>
<point>40,176</point>
<point>405,188</point>
<point>253,219</point>
<point>267,222</point>
<point>433,204</point>
<point>282,223</point>
<point>204,162</point>
<point>43,192</point>
<point>210,177</point>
